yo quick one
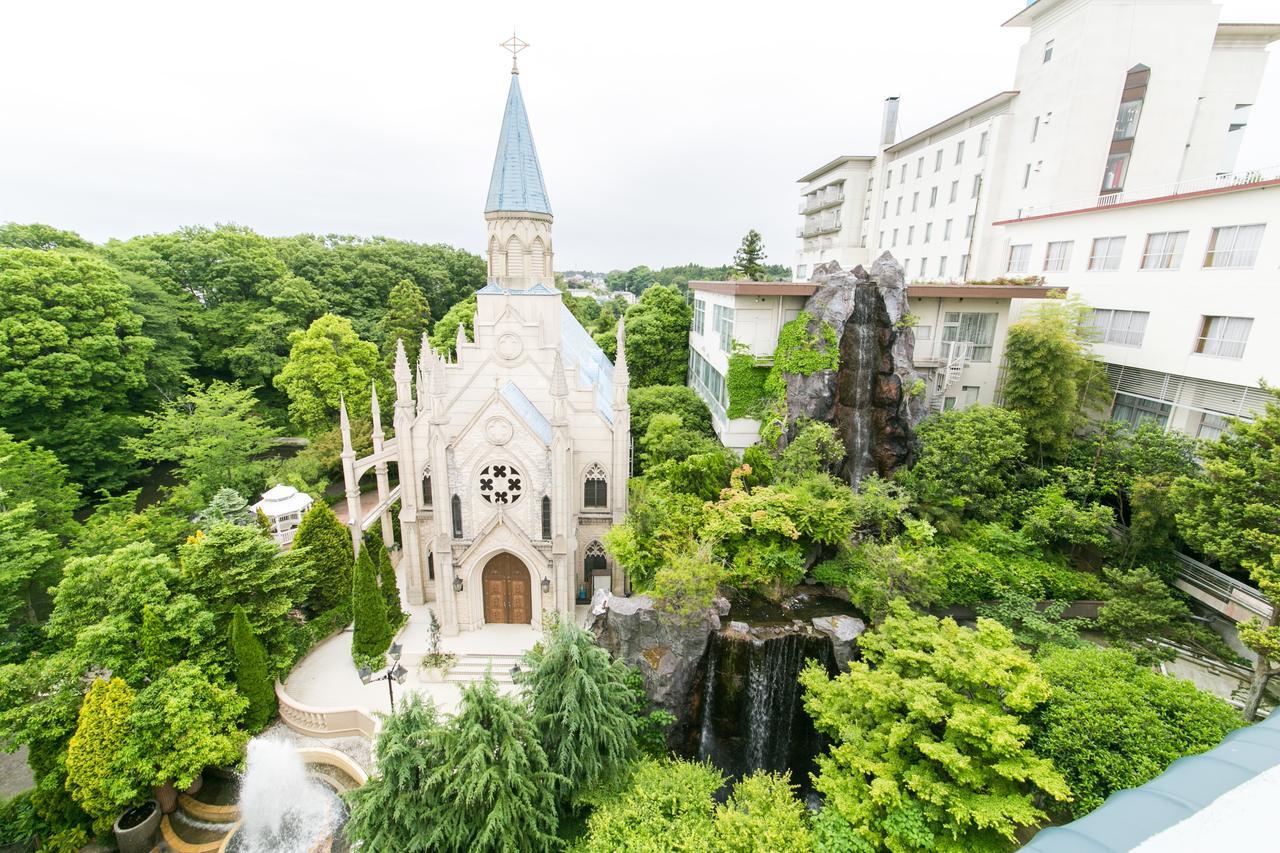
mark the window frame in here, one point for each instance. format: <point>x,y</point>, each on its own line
<point>1164,259</point>
<point>1022,251</point>
<point>1105,263</point>
<point>1212,253</point>
<point>1063,259</point>
<point>1219,345</point>
<point>595,488</point>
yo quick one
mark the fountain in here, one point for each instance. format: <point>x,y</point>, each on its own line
<point>288,805</point>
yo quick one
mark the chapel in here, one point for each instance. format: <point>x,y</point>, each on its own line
<point>512,455</point>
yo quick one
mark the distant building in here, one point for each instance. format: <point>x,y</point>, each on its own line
<point>1108,168</point>
<point>959,335</point>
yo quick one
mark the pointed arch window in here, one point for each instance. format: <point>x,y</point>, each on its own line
<point>455,504</point>
<point>426,490</point>
<point>594,562</point>
<point>595,488</point>
<point>546,517</point>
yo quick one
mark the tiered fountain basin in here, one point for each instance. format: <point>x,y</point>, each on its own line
<point>289,800</point>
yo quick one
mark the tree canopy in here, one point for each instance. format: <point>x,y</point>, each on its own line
<point>327,363</point>
<point>657,337</point>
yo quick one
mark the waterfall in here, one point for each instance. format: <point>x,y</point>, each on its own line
<point>752,716</point>
<point>860,359</point>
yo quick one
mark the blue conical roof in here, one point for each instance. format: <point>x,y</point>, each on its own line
<point>516,184</point>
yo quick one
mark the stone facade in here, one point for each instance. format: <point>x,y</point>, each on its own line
<point>519,447</point>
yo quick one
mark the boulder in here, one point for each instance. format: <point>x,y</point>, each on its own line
<point>669,650</point>
<point>844,632</point>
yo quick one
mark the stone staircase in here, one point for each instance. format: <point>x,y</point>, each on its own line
<point>472,667</point>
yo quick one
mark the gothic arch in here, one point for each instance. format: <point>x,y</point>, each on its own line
<point>594,562</point>
<point>495,259</point>
<point>595,487</point>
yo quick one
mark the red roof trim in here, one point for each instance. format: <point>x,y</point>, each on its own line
<point>1257,185</point>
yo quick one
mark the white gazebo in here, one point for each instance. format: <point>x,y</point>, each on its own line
<point>284,507</point>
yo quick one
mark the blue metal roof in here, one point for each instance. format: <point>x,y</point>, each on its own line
<point>593,365</point>
<point>1131,816</point>
<point>528,411</point>
<point>516,184</point>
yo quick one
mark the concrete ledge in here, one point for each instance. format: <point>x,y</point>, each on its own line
<point>325,722</point>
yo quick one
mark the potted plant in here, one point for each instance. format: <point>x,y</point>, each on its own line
<point>435,663</point>
<point>135,830</point>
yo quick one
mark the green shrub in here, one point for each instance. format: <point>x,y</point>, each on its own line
<point>252,677</point>
<point>372,632</point>
<point>324,547</point>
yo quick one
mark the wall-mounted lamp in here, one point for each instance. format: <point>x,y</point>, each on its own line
<point>546,584</point>
<point>457,584</point>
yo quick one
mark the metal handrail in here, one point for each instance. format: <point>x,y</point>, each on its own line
<point>1174,188</point>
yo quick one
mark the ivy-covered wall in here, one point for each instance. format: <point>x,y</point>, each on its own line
<point>800,351</point>
<point>746,381</point>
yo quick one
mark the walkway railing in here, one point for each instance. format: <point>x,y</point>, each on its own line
<point>1225,594</point>
<point>325,722</point>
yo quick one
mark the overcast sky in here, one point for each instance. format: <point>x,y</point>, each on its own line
<point>665,129</point>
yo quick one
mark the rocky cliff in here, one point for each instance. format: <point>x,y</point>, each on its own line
<point>874,398</point>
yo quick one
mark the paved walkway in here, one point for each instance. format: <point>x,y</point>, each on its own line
<point>327,678</point>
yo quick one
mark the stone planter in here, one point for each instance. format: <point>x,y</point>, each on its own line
<point>135,830</point>
<point>195,786</point>
<point>167,796</point>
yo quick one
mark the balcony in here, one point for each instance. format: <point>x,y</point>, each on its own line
<point>1162,192</point>
<point>821,201</point>
<point>821,226</point>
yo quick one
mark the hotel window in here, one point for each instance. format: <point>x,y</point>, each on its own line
<point>1212,426</point>
<point>1035,128</point>
<point>968,226</point>
<point>700,308</point>
<point>982,144</point>
<point>946,230</point>
<point>1113,177</point>
<point>895,239</point>
<point>933,197</point>
<point>881,243</point>
<point>911,234</point>
<point>888,178</point>
<point>722,324</point>
<point>969,395</point>
<point>1126,128</point>
<point>1020,257</point>
<point>915,202</point>
<point>978,329</point>
<point>964,265</point>
<point>919,167</point>
<point>1224,337</point>
<point>928,231</point>
<point>959,152</point>
<point>923,263</point>
<point>937,161</point>
<point>1048,51</point>
<point>1057,255</point>
<point>1163,250</point>
<point>1026,176</point>
<point>924,333</point>
<point>1136,411</point>
<point>884,209</point>
<point>897,208</point>
<point>802,272</point>
<point>1105,254</point>
<point>955,188</point>
<point>977,185</point>
<point>707,378</point>
<point>1234,247</point>
<point>902,177</point>
<point>1125,328</point>
<point>942,267</point>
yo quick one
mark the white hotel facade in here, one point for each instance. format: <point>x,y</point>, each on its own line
<point>1109,168</point>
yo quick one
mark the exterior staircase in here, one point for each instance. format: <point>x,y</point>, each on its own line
<point>473,667</point>
<point>955,356</point>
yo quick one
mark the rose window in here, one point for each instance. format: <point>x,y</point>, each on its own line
<point>500,484</point>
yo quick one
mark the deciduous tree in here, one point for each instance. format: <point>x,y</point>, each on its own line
<point>327,362</point>
<point>929,748</point>
<point>657,337</point>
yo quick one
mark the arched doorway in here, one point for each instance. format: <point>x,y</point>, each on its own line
<point>508,597</point>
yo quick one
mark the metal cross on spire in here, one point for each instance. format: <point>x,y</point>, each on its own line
<point>515,44</point>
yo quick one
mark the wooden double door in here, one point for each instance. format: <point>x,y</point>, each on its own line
<point>508,597</point>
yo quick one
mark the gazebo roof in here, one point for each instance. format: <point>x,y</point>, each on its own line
<point>282,500</point>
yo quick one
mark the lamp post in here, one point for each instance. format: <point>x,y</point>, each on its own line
<point>395,672</point>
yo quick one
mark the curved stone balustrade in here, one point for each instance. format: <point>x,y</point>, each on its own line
<point>325,722</point>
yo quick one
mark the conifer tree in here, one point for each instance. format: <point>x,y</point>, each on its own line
<point>372,632</point>
<point>324,547</point>
<point>580,702</point>
<point>386,574</point>
<point>396,810</point>
<point>407,317</point>
<point>249,661</point>
<point>95,775</point>
<point>493,784</point>
<point>153,641</point>
<point>748,261</point>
